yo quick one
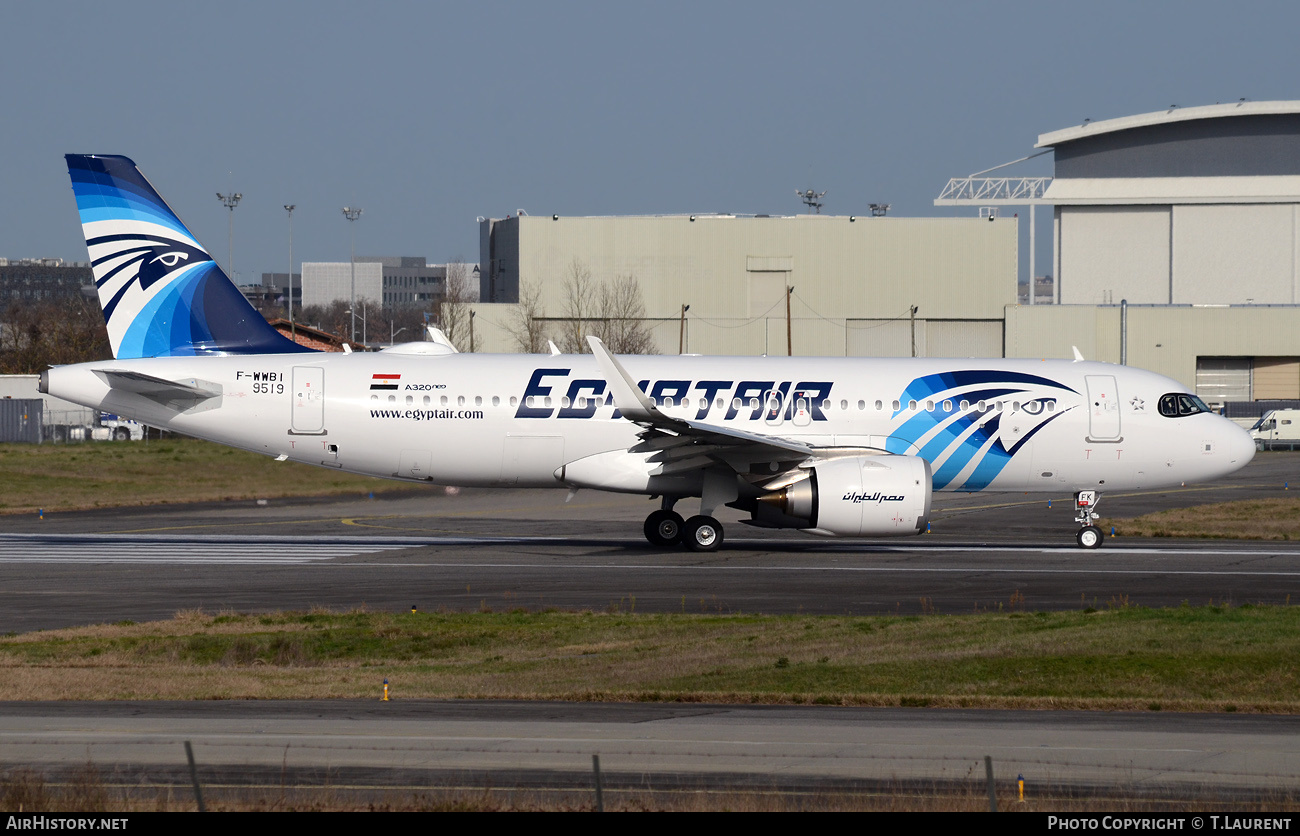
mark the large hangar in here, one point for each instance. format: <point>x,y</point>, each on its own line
<point>855,280</point>
<point>1192,217</point>
<point>1183,206</point>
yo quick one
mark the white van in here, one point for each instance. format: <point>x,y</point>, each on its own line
<point>1276,425</point>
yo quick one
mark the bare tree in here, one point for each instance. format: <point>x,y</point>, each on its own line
<point>581,308</point>
<point>35,336</point>
<point>332,318</point>
<point>622,324</point>
<point>525,323</point>
<point>453,313</point>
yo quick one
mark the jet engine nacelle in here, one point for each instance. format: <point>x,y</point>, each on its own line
<point>862,496</point>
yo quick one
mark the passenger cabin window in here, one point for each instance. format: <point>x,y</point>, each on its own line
<point>1180,405</point>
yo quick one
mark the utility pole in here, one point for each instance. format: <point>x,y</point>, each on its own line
<point>352,213</point>
<point>293,331</point>
<point>913,310</point>
<point>230,201</point>
<point>471,331</point>
<point>681,335</point>
<point>789,343</point>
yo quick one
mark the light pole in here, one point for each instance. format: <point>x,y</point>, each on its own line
<point>230,201</point>
<point>292,330</point>
<point>363,319</point>
<point>352,213</point>
<point>392,335</point>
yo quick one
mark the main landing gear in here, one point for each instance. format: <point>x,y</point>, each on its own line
<point>665,528</point>
<point>1085,502</point>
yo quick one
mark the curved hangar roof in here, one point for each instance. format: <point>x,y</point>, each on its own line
<point>1243,139</point>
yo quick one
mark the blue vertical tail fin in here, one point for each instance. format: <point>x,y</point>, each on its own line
<point>161,292</point>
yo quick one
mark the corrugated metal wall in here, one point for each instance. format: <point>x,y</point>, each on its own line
<point>20,420</point>
<point>871,267</point>
<point>734,271</point>
<point>1276,378</point>
<point>1167,340</point>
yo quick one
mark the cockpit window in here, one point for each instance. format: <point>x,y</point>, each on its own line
<point>1180,405</point>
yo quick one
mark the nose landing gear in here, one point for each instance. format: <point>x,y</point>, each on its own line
<point>1085,502</point>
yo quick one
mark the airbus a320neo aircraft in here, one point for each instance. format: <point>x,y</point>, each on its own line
<point>835,446</point>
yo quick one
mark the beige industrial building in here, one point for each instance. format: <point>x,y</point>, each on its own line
<point>1191,216</point>
<point>854,280</point>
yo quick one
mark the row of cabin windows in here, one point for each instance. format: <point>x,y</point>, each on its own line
<point>1032,407</point>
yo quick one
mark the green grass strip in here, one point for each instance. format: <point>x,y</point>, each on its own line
<point>1209,658</point>
<point>69,477</point>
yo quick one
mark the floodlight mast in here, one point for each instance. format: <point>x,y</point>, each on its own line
<point>352,213</point>
<point>812,199</point>
<point>230,201</point>
<point>293,332</point>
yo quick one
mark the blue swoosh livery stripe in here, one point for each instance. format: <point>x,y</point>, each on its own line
<point>952,440</point>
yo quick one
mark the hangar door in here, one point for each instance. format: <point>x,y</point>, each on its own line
<point>1223,379</point>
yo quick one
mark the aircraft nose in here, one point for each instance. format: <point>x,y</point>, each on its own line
<point>1238,445</point>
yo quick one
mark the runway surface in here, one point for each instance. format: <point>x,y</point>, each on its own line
<point>511,744</point>
<point>500,548</point>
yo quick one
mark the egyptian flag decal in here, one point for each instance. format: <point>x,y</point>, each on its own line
<point>384,381</point>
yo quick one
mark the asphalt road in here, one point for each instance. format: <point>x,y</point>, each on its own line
<point>504,744</point>
<point>505,549</point>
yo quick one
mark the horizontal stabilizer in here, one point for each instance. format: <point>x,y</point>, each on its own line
<point>158,389</point>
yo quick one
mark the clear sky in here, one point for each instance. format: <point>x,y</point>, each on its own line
<point>430,114</point>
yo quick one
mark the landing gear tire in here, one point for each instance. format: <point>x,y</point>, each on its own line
<point>121,434</point>
<point>702,534</point>
<point>1089,537</point>
<point>664,528</point>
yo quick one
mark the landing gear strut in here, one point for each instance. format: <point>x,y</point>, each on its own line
<point>1085,502</point>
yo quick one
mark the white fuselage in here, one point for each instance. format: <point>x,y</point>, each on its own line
<point>516,420</point>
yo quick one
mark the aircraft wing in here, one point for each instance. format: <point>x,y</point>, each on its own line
<point>679,445</point>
